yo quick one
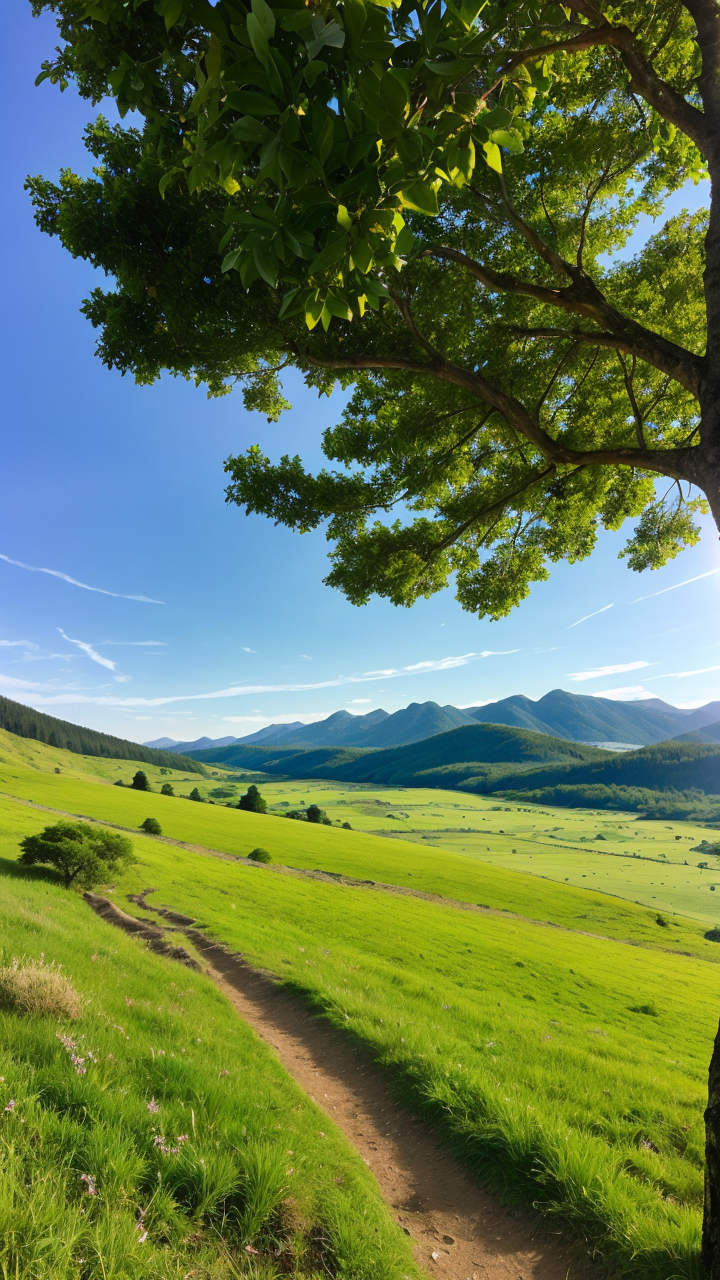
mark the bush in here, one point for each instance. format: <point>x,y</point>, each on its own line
<point>346,826</point>
<point>119,783</point>
<point>81,853</point>
<point>32,987</point>
<point>315,814</point>
<point>140,782</point>
<point>166,789</point>
<point>195,795</point>
<point>152,826</point>
<point>260,855</point>
<point>252,801</point>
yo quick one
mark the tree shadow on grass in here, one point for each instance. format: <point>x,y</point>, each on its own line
<point>16,871</point>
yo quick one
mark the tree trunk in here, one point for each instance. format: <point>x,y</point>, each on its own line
<point>711,1220</point>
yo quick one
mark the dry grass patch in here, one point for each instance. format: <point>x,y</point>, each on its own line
<point>33,987</point>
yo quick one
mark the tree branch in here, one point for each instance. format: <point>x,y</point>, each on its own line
<point>583,298</point>
<point>498,505</point>
<point>680,463</point>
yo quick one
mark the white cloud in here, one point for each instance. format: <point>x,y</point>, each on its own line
<point>246,650</point>
<point>162,644</point>
<point>591,615</point>
<point>352,701</point>
<point>287,717</point>
<point>10,682</point>
<point>17,644</point>
<point>242,690</point>
<point>88,649</point>
<point>686,583</point>
<point>55,573</point>
<point>612,670</point>
<point>691,706</point>
<point>122,679</point>
<point>628,693</point>
<point>681,675</point>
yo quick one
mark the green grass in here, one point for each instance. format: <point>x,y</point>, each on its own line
<point>253,1169</point>
<point>460,871</point>
<point>569,1070</point>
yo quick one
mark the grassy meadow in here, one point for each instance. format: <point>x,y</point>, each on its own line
<point>156,1136</point>
<point>568,1069</point>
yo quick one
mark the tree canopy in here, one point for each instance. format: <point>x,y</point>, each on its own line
<point>428,202</point>
<point>83,854</point>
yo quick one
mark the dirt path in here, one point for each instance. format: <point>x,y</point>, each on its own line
<point>461,1232</point>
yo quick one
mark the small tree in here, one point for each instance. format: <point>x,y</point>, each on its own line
<point>166,789</point>
<point>195,795</point>
<point>83,854</point>
<point>152,826</point>
<point>260,855</point>
<point>346,826</point>
<point>316,814</point>
<point>140,782</point>
<point>252,801</point>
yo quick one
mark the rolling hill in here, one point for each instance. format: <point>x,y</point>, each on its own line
<point>582,718</point>
<point>27,723</point>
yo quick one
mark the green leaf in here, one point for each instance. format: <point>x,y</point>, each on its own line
<point>331,254</point>
<point>258,39</point>
<point>171,11</point>
<point>213,57</point>
<point>421,197</point>
<point>313,70</point>
<point>266,263</point>
<point>508,138</point>
<point>344,218</point>
<point>252,104</point>
<point>394,93</point>
<point>313,310</point>
<point>362,256</point>
<point>492,156</point>
<point>265,17</point>
<point>354,17</point>
<point>230,259</point>
<point>166,179</point>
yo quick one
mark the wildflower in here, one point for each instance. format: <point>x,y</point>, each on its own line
<point>153,1106</point>
<point>183,1137</point>
<point>249,1249</point>
<point>90,1188</point>
<point>158,1140</point>
<point>142,1238</point>
<point>224,1073</point>
<point>11,1105</point>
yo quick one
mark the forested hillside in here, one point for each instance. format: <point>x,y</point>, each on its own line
<point>27,723</point>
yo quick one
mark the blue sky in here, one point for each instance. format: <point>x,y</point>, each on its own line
<point>196,619</point>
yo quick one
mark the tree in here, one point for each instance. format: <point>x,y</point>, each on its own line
<point>151,826</point>
<point>195,795</point>
<point>314,814</point>
<point>252,801</point>
<point>260,855</point>
<point>423,202</point>
<point>83,854</point>
<point>167,789</point>
<point>140,782</point>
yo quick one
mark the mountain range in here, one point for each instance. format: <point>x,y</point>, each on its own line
<point>559,714</point>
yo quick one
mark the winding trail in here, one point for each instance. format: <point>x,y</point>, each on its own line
<point>461,1232</point>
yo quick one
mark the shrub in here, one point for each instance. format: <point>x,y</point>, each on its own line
<point>260,855</point>
<point>166,789</point>
<point>346,826</point>
<point>252,801</point>
<point>314,814</point>
<point>195,795</point>
<point>119,783</point>
<point>32,987</point>
<point>78,851</point>
<point>140,782</point>
<point>152,826</point>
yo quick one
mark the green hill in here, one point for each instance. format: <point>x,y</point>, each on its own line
<point>28,723</point>
<point>491,758</point>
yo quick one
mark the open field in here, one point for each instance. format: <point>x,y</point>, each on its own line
<point>569,1069</point>
<point>98,1182</point>
<point>418,865</point>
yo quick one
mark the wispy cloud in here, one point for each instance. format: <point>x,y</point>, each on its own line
<point>242,690</point>
<point>681,675</point>
<point>686,583</point>
<point>613,669</point>
<point>353,701</point>
<point>246,650</point>
<point>91,653</point>
<point>628,692</point>
<point>55,573</point>
<point>591,615</point>
<point>141,644</point>
<point>17,644</point>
